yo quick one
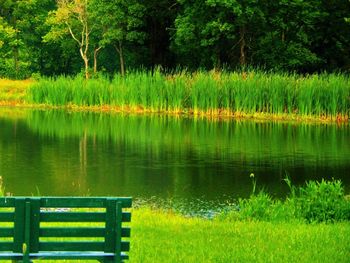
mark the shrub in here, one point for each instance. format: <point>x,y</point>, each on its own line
<point>322,202</point>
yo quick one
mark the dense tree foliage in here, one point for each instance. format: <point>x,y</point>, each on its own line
<point>52,37</point>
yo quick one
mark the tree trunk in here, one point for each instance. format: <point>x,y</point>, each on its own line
<point>86,62</point>
<point>242,58</point>
<point>15,49</point>
<point>15,61</point>
<point>119,49</point>
<point>96,50</point>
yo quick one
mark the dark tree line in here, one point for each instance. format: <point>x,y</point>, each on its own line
<point>51,37</point>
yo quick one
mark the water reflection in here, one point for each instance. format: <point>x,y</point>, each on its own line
<point>62,153</point>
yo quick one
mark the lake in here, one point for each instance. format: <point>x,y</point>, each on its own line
<point>164,158</point>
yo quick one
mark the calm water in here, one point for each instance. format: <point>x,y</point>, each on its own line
<point>160,157</point>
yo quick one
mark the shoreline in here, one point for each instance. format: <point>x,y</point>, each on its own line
<point>69,94</point>
<point>211,115</point>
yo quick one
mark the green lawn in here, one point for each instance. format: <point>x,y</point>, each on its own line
<point>166,237</point>
<point>160,236</point>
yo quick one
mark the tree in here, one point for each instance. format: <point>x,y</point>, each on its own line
<point>120,21</point>
<point>72,17</point>
<point>289,35</point>
<point>220,25</point>
<point>243,17</point>
<point>7,35</point>
<point>332,37</point>
<point>159,26</point>
<point>9,14</point>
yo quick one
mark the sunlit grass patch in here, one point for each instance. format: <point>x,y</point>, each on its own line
<point>14,90</point>
<point>167,237</point>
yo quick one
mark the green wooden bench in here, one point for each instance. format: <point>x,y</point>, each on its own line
<point>64,228</point>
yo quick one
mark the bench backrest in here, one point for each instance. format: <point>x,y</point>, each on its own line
<point>34,224</point>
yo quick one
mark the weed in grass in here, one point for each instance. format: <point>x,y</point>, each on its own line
<point>2,189</point>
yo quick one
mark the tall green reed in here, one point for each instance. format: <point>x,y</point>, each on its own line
<point>324,95</point>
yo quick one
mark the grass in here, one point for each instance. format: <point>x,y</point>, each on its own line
<point>13,91</point>
<point>325,96</point>
<point>241,94</point>
<point>166,237</point>
<point>163,236</point>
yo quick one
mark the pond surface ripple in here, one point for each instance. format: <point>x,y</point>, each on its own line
<point>176,161</point>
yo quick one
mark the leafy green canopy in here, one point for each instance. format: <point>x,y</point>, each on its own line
<point>36,36</point>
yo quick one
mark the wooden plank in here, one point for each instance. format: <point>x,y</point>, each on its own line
<point>118,243</point>
<point>68,201</point>
<point>71,246</point>
<point>7,216</point>
<point>72,232</point>
<point>72,216</point>
<point>111,221</point>
<point>7,201</point>
<point>18,237</point>
<point>26,245</point>
<point>126,217</point>
<point>75,255</point>
<point>6,232</point>
<point>125,246</point>
<point>81,202</point>
<point>78,232</point>
<point>6,246</point>
<point>35,224</point>
<point>126,232</point>
<point>10,255</point>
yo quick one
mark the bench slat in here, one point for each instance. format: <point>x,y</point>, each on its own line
<point>7,201</point>
<point>72,232</point>
<point>10,255</point>
<point>78,246</point>
<point>126,217</point>
<point>75,255</point>
<point>72,216</point>
<point>6,246</point>
<point>7,216</point>
<point>6,232</point>
<point>92,202</point>
<point>77,232</point>
<point>61,255</point>
<point>48,216</point>
<point>81,202</point>
<point>71,246</point>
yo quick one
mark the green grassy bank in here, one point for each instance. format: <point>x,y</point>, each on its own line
<point>311,225</point>
<point>13,92</point>
<point>164,237</point>
<point>253,93</point>
<point>258,229</point>
<point>160,236</point>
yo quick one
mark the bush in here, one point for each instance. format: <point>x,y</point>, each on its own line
<point>322,202</point>
<point>256,207</point>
